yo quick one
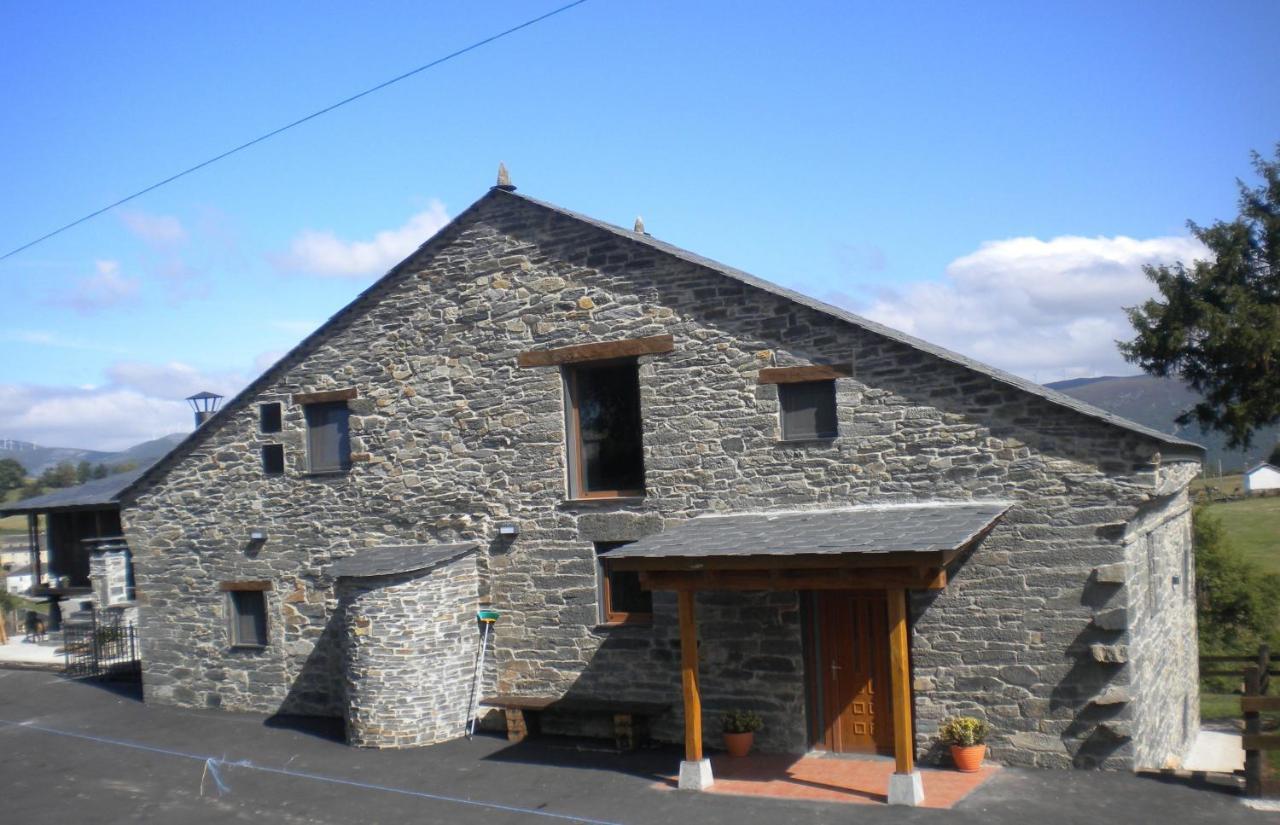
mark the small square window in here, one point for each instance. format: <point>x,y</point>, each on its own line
<point>808,410</point>
<point>248,615</point>
<point>270,418</point>
<point>622,601</point>
<point>328,437</point>
<point>273,459</point>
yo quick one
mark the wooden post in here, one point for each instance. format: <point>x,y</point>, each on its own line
<point>900,683</point>
<point>689,678</point>
<point>1252,727</point>
<point>33,546</point>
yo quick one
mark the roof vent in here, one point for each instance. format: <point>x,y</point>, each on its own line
<point>204,404</point>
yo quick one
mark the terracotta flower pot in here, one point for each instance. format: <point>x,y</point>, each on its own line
<point>739,744</point>
<point>968,759</point>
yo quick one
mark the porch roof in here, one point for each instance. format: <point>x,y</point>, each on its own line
<point>386,561</point>
<point>875,530</point>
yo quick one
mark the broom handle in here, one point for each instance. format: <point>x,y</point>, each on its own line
<point>475,684</point>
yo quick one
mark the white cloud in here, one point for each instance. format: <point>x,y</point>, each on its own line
<point>101,290</point>
<point>1045,310</point>
<point>158,230</point>
<point>138,402</point>
<point>323,253</point>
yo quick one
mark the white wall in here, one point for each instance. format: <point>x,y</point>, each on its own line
<point>18,584</point>
<point>1262,478</point>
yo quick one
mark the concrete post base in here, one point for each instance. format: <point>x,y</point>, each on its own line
<point>696,776</point>
<point>906,789</point>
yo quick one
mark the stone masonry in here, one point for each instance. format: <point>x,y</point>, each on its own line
<point>451,438</point>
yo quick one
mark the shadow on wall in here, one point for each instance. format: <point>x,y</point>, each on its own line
<point>317,691</point>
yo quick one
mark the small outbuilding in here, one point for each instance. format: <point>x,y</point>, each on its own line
<point>1260,478</point>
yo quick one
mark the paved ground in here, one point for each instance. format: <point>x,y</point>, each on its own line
<point>48,654</point>
<point>76,752</point>
<point>1216,750</point>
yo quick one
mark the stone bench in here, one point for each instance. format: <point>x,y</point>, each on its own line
<point>523,714</point>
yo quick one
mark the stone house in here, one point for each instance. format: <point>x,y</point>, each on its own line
<point>678,484</point>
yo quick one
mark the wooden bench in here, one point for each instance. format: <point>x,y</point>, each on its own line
<point>523,714</point>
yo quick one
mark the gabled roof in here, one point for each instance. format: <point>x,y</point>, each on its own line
<point>442,237</point>
<point>1260,465</point>
<point>101,492</point>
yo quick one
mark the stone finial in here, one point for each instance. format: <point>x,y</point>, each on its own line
<point>504,179</point>
<point>639,229</point>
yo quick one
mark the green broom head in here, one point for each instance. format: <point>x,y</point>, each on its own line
<point>487,614</point>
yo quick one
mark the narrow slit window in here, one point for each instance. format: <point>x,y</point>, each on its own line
<point>273,459</point>
<point>270,418</point>
<point>248,614</point>
<point>622,600</point>
<point>606,447</point>
<point>328,437</point>
<point>808,410</point>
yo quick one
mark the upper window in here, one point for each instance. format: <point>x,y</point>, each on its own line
<point>273,459</point>
<point>622,601</point>
<point>606,451</point>
<point>808,410</point>
<point>328,441</point>
<point>270,418</point>
<point>248,615</point>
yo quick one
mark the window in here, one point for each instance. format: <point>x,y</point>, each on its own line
<point>621,599</point>
<point>808,410</point>
<point>273,459</point>
<point>328,442</point>
<point>606,451</point>
<point>248,614</point>
<point>270,418</point>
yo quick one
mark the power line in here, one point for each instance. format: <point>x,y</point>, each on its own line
<point>526,24</point>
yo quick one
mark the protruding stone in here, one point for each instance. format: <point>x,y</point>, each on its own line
<point>1110,654</point>
<point>1113,696</point>
<point>639,228</point>
<point>1118,729</point>
<point>504,179</point>
<point>906,789</point>
<point>696,776</point>
<point>1110,573</point>
<point>1117,618</point>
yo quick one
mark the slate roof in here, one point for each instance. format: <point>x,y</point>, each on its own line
<point>914,528</point>
<point>101,492</point>
<point>386,561</point>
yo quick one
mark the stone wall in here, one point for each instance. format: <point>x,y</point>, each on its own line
<point>451,438</point>
<point>410,643</point>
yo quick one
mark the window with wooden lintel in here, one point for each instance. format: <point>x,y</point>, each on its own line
<point>328,437</point>
<point>808,410</point>
<point>622,601</point>
<point>247,617</point>
<point>603,424</point>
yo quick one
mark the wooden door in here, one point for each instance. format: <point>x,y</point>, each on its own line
<point>849,672</point>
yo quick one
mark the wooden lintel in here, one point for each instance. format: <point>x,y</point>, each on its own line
<point>834,579</point>
<point>325,396</point>
<point>689,679</point>
<point>796,375</point>
<point>813,561</point>
<point>900,683</point>
<point>598,351</point>
<point>250,585</point>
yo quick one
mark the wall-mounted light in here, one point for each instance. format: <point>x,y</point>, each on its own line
<point>508,529</point>
<point>258,535</point>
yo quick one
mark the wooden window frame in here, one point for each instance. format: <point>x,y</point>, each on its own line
<point>608,616</point>
<point>345,462</point>
<point>574,434</point>
<point>783,436</point>
<point>233,614</point>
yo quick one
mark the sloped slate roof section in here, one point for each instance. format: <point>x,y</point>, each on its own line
<point>867,324</point>
<point>387,561</point>
<point>100,492</point>
<point>919,528</point>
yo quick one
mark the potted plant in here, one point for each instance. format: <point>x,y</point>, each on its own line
<point>740,728</point>
<point>967,736</point>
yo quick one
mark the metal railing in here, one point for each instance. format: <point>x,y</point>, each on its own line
<point>101,646</point>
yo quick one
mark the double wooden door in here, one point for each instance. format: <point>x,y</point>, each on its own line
<point>849,672</point>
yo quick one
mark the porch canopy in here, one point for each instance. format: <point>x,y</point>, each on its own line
<point>892,548</point>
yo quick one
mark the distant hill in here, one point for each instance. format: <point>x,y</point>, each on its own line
<point>36,459</point>
<point>1156,402</point>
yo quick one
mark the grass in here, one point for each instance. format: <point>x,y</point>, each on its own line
<point>13,525</point>
<point>1224,485</point>
<point>1253,526</point>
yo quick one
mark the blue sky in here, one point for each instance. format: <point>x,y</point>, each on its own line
<point>990,176</point>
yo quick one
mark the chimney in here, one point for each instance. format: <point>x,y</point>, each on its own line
<point>204,404</point>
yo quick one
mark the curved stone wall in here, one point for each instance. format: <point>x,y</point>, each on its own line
<point>409,645</point>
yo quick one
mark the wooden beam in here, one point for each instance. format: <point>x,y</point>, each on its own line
<point>322,397</point>
<point>1259,703</point>
<point>810,561</point>
<point>1260,741</point>
<point>598,351</point>
<point>833,579</point>
<point>796,375</point>
<point>251,585</point>
<point>900,679</point>
<point>689,679</point>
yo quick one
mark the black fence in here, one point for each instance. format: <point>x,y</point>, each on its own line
<point>101,646</point>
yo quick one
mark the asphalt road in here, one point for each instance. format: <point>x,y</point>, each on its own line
<point>78,752</point>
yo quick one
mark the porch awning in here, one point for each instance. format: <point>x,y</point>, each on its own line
<point>892,545</point>
<point>388,561</point>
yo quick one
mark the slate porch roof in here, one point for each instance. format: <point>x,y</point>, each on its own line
<point>907,528</point>
<point>386,561</point>
<point>101,492</point>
